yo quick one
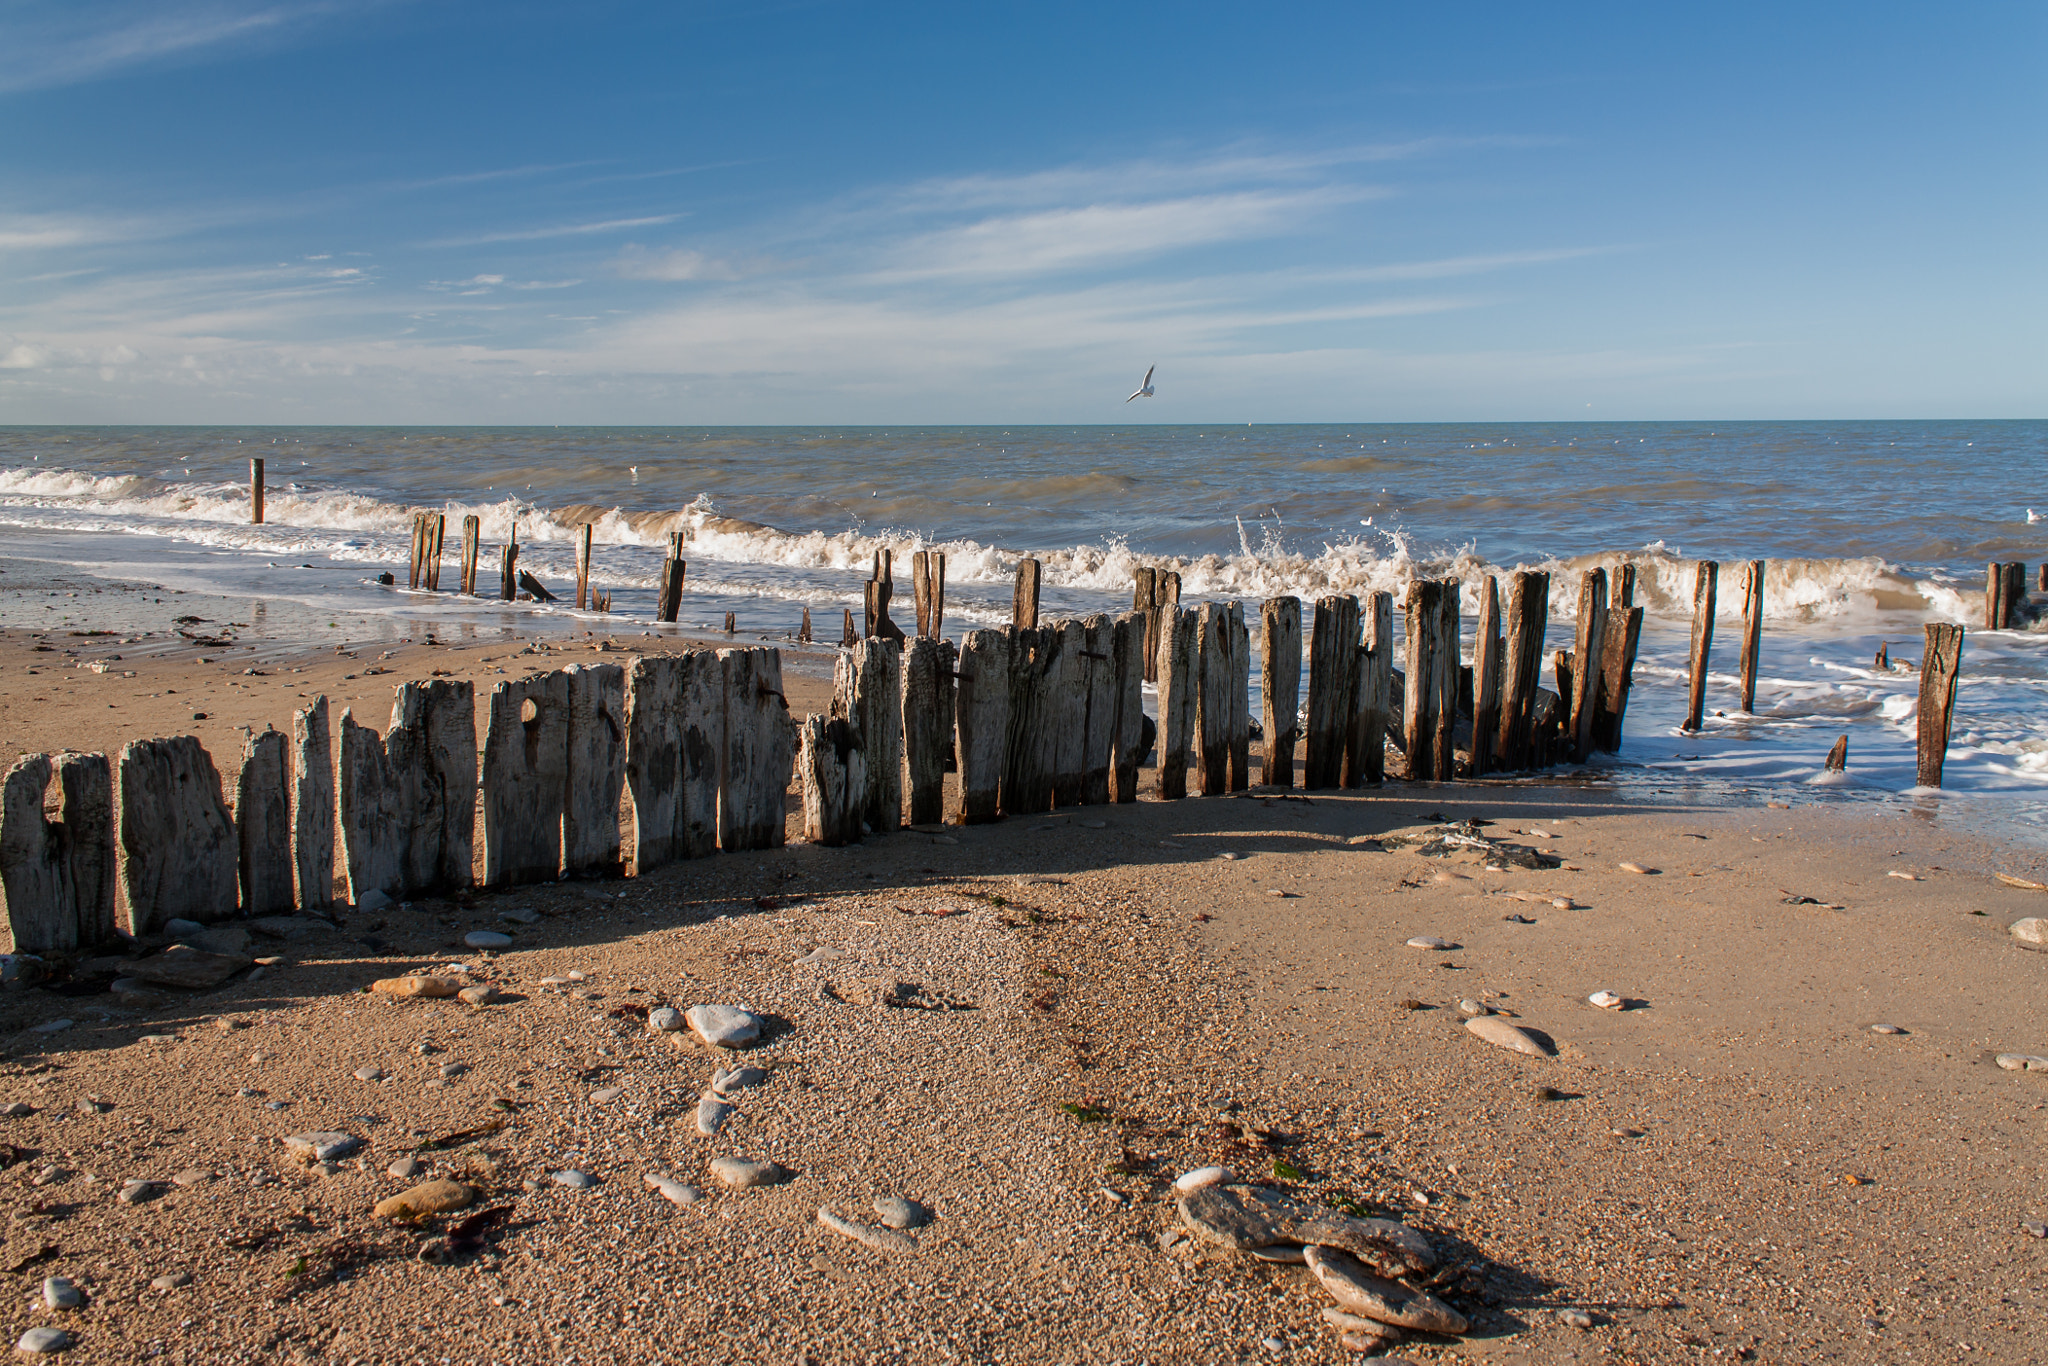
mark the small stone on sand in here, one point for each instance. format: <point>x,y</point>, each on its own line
<point>39,1341</point>
<point>1430,941</point>
<point>711,1116</point>
<point>744,1172</point>
<point>433,988</point>
<point>724,1026</point>
<point>665,1019</point>
<point>575,1180</point>
<point>429,1197</point>
<point>487,939</point>
<point>322,1146</point>
<point>2033,931</point>
<point>674,1191</point>
<point>172,1280</point>
<point>898,1212</point>
<point>1497,1031</point>
<point>1635,868</point>
<point>1607,1000</point>
<point>1202,1176</point>
<point>1886,1029</point>
<point>60,1293</point>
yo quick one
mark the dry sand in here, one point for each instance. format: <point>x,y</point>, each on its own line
<point>1734,1168</point>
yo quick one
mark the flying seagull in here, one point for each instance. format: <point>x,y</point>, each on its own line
<point>1145,389</point>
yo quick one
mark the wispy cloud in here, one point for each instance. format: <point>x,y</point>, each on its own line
<point>45,43</point>
<point>636,262</point>
<point>561,230</point>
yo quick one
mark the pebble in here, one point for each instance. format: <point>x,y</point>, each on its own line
<point>176,928</point>
<point>487,939</point>
<point>1886,1029</point>
<point>38,1341</point>
<point>481,995</point>
<point>322,1146</point>
<point>1635,868</point>
<point>2034,1229</point>
<point>135,1192</point>
<point>433,988</point>
<point>19,1110</point>
<point>711,1116</point>
<point>724,1026</point>
<point>1430,941</point>
<point>1502,1034</point>
<point>665,1019</point>
<point>1575,1318</point>
<point>606,1095</point>
<point>374,900</point>
<point>49,1176</point>
<point>743,1173</point>
<point>2022,1062</point>
<point>52,1027</point>
<point>880,1239</point>
<point>2032,930</point>
<point>452,1070</point>
<point>897,1212</point>
<point>1470,1008</point>
<point>1232,856</point>
<point>738,1079</point>
<point>1273,1344</point>
<point>369,1074</point>
<point>1202,1176</point>
<point>1909,877</point>
<point>174,1280</point>
<point>192,1176</point>
<point>674,1191</point>
<point>575,1180</point>
<point>1607,1000</point>
<point>92,1105</point>
<point>405,1168</point>
<point>60,1293</point>
<point>519,915</point>
<point>429,1197</point>
<point>1358,1290</point>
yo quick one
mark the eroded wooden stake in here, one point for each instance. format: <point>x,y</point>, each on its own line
<point>1365,754</point>
<point>256,489</point>
<point>1703,592</point>
<point>1332,690</point>
<point>1752,630</point>
<point>1938,672</point>
<point>472,531</point>
<point>1838,757</point>
<point>1528,619</point>
<point>1280,687</point>
<point>1589,644</point>
<point>583,568</point>
<point>1488,655</point>
<point>1024,603</point>
<point>509,587</point>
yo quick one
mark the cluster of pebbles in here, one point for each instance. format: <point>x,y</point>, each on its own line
<point>1379,1273</point>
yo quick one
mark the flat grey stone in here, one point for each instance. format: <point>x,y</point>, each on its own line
<point>665,1019</point>
<point>1358,1290</point>
<point>178,928</point>
<point>60,1293</point>
<point>897,1212</point>
<point>369,1073</point>
<point>20,1109</point>
<point>1246,1218</point>
<point>405,1168</point>
<point>519,915</point>
<point>322,1146</point>
<point>487,939</point>
<point>738,1079</point>
<point>38,1341</point>
<point>2022,1062</point>
<point>674,1191</point>
<point>287,927</point>
<point>711,1116</point>
<point>878,1239</point>
<point>192,1176</point>
<point>744,1172</point>
<point>1499,1032</point>
<point>52,1027</point>
<point>173,1280</point>
<point>374,900</point>
<point>575,1180</point>
<point>139,1192</point>
<point>193,969</point>
<point>724,1026</point>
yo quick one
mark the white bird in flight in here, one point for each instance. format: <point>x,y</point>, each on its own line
<point>1145,389</point>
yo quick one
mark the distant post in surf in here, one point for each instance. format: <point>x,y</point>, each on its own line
<point>256,489</point>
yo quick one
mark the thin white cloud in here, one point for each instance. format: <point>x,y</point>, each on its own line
<point>45,43</point>
<point>636,262</point>
<point>561,230</point>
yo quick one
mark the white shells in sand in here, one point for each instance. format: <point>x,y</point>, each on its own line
<point>2033,930</point>
<point>1607,1000</point>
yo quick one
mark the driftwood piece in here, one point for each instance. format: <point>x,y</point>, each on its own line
<point>597,769</point>
<point>1332,690</point>
<point>981,720</point>
<point>835,780</point>
<point>1024,600</point>
<point>525,777</point>
<point>1528,619</point>
<point>472,537</point>
<point>1280,687</point>
<point>534,588</point>
<point>927,712</point>
<point>37,901</point>
<point>1179,634</point>
<point>1127,687</point>
<point>760,750</point>
<point>1939,669</point>
<point>1489,653</point>
<point>1617,675</point>
<point>85,795</point>
<point>1097,657</point>
<point>1589,644</point>
<point>1752,630</point>
<point>313,801</point>
<point>263,826</point>
<point>1064,717</point>
<point>177,841</point>
<point>1372,712</point>
<point>1703,593</point>
<point>867,689</point>
<point>1027,763</point>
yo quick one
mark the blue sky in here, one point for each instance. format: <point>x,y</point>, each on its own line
<point>430,211</point>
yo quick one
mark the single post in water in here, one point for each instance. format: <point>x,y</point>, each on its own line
<point>472,534</point>
<point>1752,629</point>
<point>256,489</point>
<point>1938,670</point>
<point>1702,642</point>
<point>510,573</point>
<point>583,568</point>
<point>435,533</point>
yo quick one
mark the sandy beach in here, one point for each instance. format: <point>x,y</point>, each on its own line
<point>1031,1029</point>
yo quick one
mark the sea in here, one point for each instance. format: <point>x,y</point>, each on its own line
<point>1870,532</point>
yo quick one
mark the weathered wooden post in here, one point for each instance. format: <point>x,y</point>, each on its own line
<point>509,587</point>
<point>803,631</point>
<point>1488,655</point>
<point>1179,630</point>
<point>57,877</point>
<point>927,726</point>
<point>1332,690</point>
<point>2042,584</point>
<point>835,781</point>
<point>1589,645</point>
<point>416,558</point>
<point>1994,596</point>
<point>928,582</point>
<point>1127,668</point>
<point>732,622</point>
<point>1280,687</point>
<point>760,747</point>
<point>1144,587</point>
<point>867,689</point>
<point>256,489</point>
<point>1028,749</point>
<point>876,594</point>
<point>2016,593</point>
<point>436,534</point>
<point>472,532</point>
<point>1702,642</point>
<point>1623,584</point>
<point>1528,619</point>
<point>675,741</point>
<point>178,852</point>
<point>583,567</point>
<point>848,636</point>
<point>1097,657</point>
<point>263,826</point>
<point>1213,709</point>
<point>1752,630</point>
<point>597,770</point>
<point>1939,669</point>
<point>1065,719</point>
<point>313,806</point>
<point>982,725</point>
<point>1430,707</point>
<point>1365,753</point>
<point>675,570</point>
<point>1617,675</point>
<point>1838,757</point>
<point>1024,602</point>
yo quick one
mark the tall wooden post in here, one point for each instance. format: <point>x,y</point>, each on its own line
<point>583,568</point>
<point>1702,642</point>
<point>435,533</point>
<point>1528,619</point>
<point>920,590</point>
<point>1280,686</point>
<point>1213,673</point>
<point>1178,630</point>
<point>1617,675</point>
<point>416,560</point>
<point>1144,585</point>
<point>1589,644</point>
<point>1488,654</point>
<point>1024,604</point>
<point>472,533</point>
<point>1939,669</point>
<point>1994,594</point>
<point>256,489</point>
<point>1332,690</point>
<point>510,586</point>
<point>1365,751</point>
<point>1622,585</point>
<point>803,632</point>
<point>1752,630</point>
<point>668,602</point>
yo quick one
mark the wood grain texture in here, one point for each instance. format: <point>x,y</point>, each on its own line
<point>1705,585</point>
<point>430,753</point>
<point>835,780</point>
<point>1752,631</point>
<point>1127,682</point>
<point>1179,634</point>
<point>654,766</point>
<point>1489,653</point>
<point>1365,751</point>
<point>597,769</point>
<point>1332,690</point>
<point>525,776</point>
<point>178,856</point>
<point>927,711</point>
<point>760,751</point>
<point>313,804</point>
<point>1066,710</point>
<point>1589,642</point>
<point>37,903</point>
<point>1024,600</point>
<point>1212,699</point>
<point>1617,675</point>
<point>1939,670</point>
<point>1280,687</point>
<point>1028,776</point>
<point>263,826</point>
<point>1521,675</point>
<point>85,786</point>
<point>868,692</point>
<point>472,540</point>
<point>1099,693</point>
<point>981,720</point>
